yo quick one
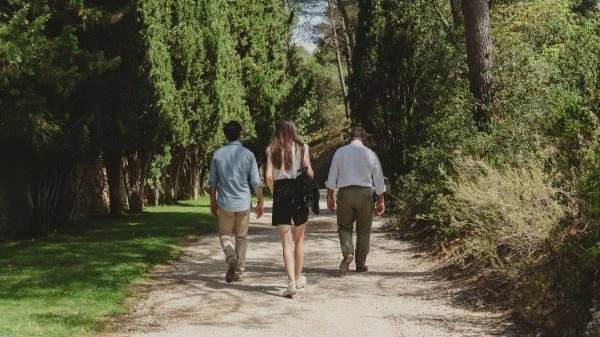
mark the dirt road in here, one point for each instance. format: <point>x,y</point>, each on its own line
<point>399,296</point>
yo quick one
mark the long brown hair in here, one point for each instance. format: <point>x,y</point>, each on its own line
<point>281,143</point>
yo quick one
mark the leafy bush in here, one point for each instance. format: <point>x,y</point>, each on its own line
<point>501,217</point>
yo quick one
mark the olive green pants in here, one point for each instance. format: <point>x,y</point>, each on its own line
<point>355,203</point>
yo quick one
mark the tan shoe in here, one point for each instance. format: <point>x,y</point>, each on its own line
<point>345,265</point>
<point>231,265</point>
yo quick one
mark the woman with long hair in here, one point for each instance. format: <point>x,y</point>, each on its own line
<point>286,154</point>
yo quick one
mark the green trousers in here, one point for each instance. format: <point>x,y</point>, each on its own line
<point>355,203</point>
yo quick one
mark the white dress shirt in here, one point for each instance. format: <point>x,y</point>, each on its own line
<point>355,164</point>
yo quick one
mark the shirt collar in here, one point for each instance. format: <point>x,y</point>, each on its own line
<point>356,141</point>
<point>235,142</point>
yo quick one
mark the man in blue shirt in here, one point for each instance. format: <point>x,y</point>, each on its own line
<point>233,172</point>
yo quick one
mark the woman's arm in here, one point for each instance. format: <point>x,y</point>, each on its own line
<point>269,173</point>
<point>309,170</point>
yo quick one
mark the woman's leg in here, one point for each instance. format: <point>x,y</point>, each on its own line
<point>285,233</point>
<point>299,249</point>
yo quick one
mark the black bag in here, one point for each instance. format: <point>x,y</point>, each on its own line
<point>305,192</point>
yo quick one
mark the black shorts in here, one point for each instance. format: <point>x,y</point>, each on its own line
<point>283,211</point>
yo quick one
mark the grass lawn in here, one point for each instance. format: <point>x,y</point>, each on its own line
<point>63,285</point>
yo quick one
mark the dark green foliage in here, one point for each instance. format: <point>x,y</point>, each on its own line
<point>403,68</point>
<point>145,85</point>
<point>43,68</point>
<point>262,31</point>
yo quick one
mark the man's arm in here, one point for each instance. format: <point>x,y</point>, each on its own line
<point>380,188</point>
<point>257,185</point>
<point>331,182</point>
<point>213,200</point>
<point>330,200</point>
<point>259,204</point>
<point>378,179</point>
<point>212,182</point>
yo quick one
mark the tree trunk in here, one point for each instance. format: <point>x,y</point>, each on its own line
<point>136,186</point>
<point>194,175</point>
<point>113,175</point>
<point>348,34</point>
<point>479,58</point>
<point>68,203</point>
<point>338,59</point>
<point>172,179</point>
<point>49,184</point>
<point>455,8</point>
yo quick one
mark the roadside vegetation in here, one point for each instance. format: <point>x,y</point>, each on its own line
<point>513,205</point>
<point>485,115</point>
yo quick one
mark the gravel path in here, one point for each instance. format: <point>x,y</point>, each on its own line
<point>399,296</point>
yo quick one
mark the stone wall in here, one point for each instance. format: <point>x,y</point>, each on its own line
<point>93,199</point>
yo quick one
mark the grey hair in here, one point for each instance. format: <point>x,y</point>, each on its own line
<point>358,132</point>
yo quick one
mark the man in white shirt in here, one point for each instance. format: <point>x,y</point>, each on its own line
<point>356,172</point>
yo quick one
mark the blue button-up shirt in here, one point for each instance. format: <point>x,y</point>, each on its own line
<point>233,170</point>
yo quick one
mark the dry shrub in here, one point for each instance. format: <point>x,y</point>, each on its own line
<point>503,216</point>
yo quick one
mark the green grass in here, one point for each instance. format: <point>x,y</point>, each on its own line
<point>64,285</point>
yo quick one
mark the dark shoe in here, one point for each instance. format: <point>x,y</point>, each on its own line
<point>231,265</point>
<point>345,265</point>
<point>362,269</point>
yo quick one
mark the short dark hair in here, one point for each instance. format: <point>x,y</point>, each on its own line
<point>358,132</point>
<point>232,130</point>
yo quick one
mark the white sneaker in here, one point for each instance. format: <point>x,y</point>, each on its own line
<point>290,291</point>
<point>300,282</point>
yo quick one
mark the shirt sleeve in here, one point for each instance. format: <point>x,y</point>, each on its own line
<point>378,179</point>
<point>212,172</point>
<point>254,176</point>
<point>332,178</point>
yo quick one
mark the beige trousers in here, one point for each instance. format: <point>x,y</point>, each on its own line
<point>234,225</point>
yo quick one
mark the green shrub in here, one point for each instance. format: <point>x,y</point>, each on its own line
<point>500,218</point>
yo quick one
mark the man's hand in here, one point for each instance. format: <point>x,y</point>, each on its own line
<point>379,207</point>
<point>213,207</point>
<point>380,204</point>
<point>259,210</point>
<point>330,200</point>
<point>331,204</point>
